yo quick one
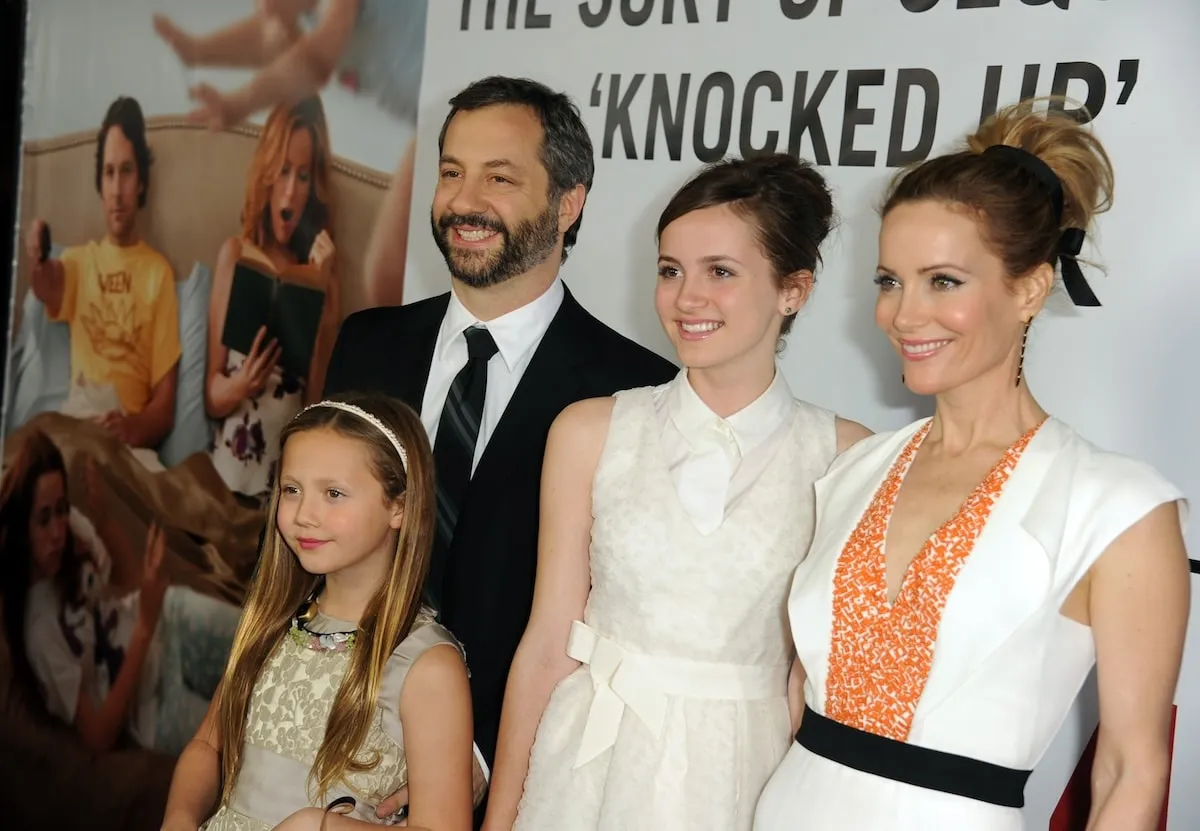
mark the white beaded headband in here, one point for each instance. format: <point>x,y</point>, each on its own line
<point>371,419</point>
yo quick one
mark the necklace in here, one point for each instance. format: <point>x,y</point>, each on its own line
<point>318,641</point>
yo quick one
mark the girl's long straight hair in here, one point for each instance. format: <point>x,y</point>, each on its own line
<point>280,586</point>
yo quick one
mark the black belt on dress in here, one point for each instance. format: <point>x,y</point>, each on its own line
<point>920,766</point>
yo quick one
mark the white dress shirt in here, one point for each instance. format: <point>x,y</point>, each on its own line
<point>517,335</point>
<point>713,461</point>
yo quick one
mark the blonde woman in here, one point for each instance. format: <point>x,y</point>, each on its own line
<point>286,219</point>
<point>969,570</point>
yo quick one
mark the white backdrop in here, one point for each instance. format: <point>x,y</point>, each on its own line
<point>1123,375</point>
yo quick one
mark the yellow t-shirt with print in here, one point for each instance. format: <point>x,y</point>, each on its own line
<point>124,316</point>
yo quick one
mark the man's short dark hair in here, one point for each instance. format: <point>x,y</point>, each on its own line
<point>126,113</point>
<point>566,150</point>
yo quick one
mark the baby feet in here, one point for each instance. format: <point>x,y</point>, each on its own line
<point>180,41</point>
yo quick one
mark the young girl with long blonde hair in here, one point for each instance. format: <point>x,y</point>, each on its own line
<point>339,689</point>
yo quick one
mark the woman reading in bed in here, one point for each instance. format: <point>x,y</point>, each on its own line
<point>286,219</point>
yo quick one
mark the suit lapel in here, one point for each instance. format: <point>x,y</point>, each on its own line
<point>419,340</point>
<point>547,383</point>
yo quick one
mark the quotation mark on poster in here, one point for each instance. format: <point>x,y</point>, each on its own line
<point>1126,76</point>
<point>652,114</point>
<point>1066,81</point>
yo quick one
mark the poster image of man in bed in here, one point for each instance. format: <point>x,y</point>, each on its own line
<point>117,296</point>
<point>260,183</point>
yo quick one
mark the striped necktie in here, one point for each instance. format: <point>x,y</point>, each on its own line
<point>454,448</point>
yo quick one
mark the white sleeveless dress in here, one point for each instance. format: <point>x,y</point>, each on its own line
<point>1007,665</point>
<point>678,713</point>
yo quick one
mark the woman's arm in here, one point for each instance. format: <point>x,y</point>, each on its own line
<point>1138,597</point>
<point>100,726</point>
<point>197,778</point>
<point>435,713</point>
<point>559,596</point>
<point>323,258</point>
<point>387,250</point>
<point>327,331</point>
<point>223,392</point>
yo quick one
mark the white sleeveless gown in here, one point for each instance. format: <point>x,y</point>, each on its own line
<point>1007,665</point>
<point>679,713</point>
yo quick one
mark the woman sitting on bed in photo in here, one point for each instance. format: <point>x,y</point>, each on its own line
<point>286,219</point>
<point>93,626</point>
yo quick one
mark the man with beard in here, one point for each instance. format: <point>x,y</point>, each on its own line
<point>490,364</point>
<point>117,295</point>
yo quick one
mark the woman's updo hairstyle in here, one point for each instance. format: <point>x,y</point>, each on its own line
<point>784,199</point>
<point>1033,179</point>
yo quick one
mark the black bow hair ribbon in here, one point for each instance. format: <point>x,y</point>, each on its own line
<point>1071,241</point>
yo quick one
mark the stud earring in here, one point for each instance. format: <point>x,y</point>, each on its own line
<point>787,310</point>
<point>1021,359</point>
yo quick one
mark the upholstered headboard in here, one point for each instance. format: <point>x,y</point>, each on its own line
<point>197,184</point>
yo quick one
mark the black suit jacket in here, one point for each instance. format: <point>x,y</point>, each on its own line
<point>488,585</point>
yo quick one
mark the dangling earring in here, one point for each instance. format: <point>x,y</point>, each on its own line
<point>1021,359</point>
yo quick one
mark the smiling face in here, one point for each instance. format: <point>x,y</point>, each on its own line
<point>332,510</point>
<point>292,186</point>
<point>718,297</point>
<point>945,302</point>
<point>492,216</point>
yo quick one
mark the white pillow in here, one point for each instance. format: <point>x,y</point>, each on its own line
<point>193,431</point>
<point>41,363</point>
